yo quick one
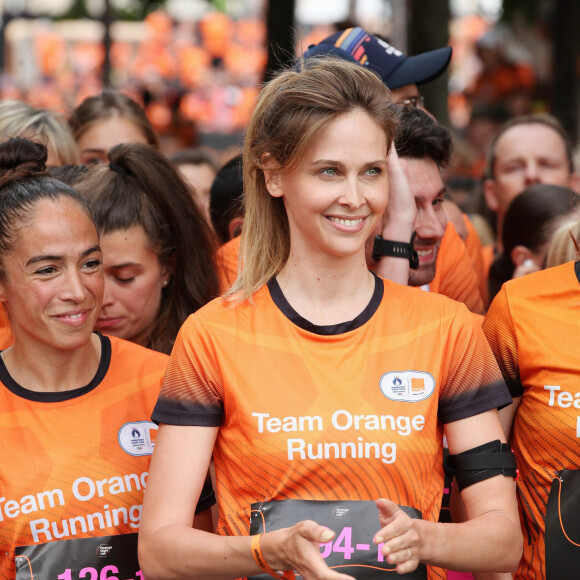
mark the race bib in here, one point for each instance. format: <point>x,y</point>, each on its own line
<point>104,558</point>
<point>354,523</point>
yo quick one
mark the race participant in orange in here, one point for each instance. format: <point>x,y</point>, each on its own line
<point>316,380</point>
<point>157,245</point>
<point>74,405</point>
<point>442,264</point>
<point>534,331</point>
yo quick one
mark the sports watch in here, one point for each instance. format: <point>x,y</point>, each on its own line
<point>383,247</point>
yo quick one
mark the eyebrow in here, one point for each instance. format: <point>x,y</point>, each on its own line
<point>341,164</point>
<point>93,151</point>
<point>125,265</point>
<point>54,258</point>
<point>440,193</point>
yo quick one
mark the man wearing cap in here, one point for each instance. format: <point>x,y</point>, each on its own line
<point>401,73</point>
<point>441,254</point>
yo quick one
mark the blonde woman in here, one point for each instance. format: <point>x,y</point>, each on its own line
<point>317,386</point>
<point>19,119</point>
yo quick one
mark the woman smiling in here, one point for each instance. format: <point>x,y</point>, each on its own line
<point>74,405</point>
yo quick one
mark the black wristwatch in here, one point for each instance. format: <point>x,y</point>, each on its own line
<point>396,250</point>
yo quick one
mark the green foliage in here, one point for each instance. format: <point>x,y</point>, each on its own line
<point>78,9</point>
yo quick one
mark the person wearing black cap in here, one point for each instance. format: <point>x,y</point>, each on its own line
<point>401,73</point>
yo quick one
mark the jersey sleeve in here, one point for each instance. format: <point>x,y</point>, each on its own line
<point>499,329</point>
<point>192,392</point>
<point>472,381</point>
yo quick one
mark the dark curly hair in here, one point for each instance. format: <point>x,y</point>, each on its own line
<point>419,136</point>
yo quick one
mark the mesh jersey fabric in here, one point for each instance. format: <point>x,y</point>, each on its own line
<point>56,447</point>
<point>455,275</point>
<point>534,331</point>
<point>351,411</point>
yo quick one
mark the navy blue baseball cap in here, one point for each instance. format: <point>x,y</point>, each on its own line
<point>395,68</point>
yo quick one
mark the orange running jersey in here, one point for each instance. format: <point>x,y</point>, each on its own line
<point>227,263</point>
<point>475,251</point>
<point>74,463</point>
<point>352,411</point>
<point>488,254</point>
<point>533,327</point>
<point>455,276</point>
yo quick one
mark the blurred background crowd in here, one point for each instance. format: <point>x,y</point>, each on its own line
<point>196,66</point>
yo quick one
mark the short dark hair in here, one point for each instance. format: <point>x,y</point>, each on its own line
<point>226,197</point>
<point>419,136</point>
<point>536,119</point>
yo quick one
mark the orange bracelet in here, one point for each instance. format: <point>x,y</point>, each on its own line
<point>261,561</point>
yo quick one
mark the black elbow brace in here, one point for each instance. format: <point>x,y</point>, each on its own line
<point>480,463</point>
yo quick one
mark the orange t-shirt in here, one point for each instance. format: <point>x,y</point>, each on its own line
<point>455,275</point>
<point>475,249</point>
<point>352,411</point>
<point>488,255</point>
<point>74,464</point>
<point>227,263</point>
<point>533,327</point>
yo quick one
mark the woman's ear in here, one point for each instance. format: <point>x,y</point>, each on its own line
<point>167,270</point>
<point>525,261</point>
<point>273,183</point>
<point>272,176</point>
<point>522,253</point>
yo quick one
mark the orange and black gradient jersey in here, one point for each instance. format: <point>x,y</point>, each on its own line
<point>74,463</point>
<point>533,327</point>
<point>347,411</point>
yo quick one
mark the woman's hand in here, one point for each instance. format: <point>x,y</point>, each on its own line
<point>400,535</point>
<point>298,548</point>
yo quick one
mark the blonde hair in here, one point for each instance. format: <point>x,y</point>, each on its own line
<point>19,119</point>
<point>565,243</point>
<point>291,111</point>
